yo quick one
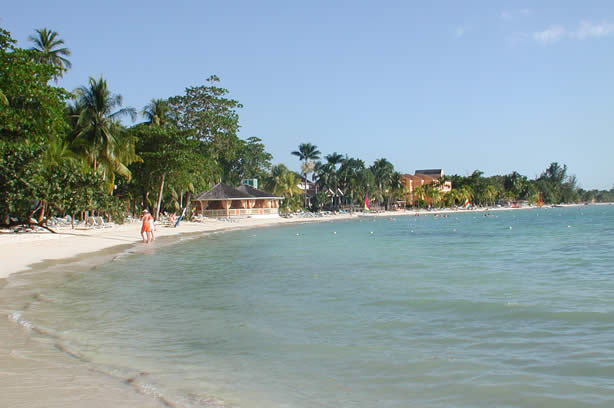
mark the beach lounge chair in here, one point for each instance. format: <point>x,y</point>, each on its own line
<point>90,222</point>
<point>100,222</point>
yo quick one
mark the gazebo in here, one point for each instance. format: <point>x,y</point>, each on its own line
<point>226,201</point>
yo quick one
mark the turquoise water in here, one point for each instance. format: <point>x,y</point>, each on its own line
<point>510,310</point>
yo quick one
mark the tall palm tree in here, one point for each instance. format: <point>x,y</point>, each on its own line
<point>306,152</point>
<point>397,187</point>
<point>47,43</point>
<point>156,112</point>
<point>491,194</point>
<point>349,172</point>
<point>99,134</point>
<point>333,160</point>
<point>382,170</point>
<point>283,182</point>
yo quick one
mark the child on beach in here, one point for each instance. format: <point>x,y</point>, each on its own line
<point>147,227</point>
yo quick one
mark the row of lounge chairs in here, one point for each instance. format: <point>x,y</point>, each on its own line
<point>96,222</point>
<point>90,222</point>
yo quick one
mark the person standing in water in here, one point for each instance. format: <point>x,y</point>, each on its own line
<point>146,227</point>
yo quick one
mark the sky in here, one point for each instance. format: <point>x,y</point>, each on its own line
<point>463,86</point>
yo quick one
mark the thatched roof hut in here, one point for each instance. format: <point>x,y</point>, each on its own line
<point>225,200</point>
<point>222,192</point>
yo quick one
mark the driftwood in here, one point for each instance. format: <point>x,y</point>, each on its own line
<point>24,225</point>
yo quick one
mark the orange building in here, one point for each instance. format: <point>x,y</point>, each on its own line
<point>424,177</point>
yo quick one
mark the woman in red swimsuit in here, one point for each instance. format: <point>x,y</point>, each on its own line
<point>146,228</point>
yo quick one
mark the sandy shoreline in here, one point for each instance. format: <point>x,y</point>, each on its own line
<point>35,374</point>
<point>22,251</point>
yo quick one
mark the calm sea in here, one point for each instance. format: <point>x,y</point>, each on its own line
<point>513,309</point>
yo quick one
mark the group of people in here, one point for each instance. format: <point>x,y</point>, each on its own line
<point>148,226</point>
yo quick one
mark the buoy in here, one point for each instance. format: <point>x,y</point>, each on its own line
<point>510,227</point>
<point>334,232</point>
<point>371,232</point>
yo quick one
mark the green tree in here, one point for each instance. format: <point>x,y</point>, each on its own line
<point>282,182</point>
<point>420,195</point>
<point>515,186</point>
<point>168,154</point>
<point>31,121</point>
<point>252,161</point>
<point>34,112</point>
<point>157,112</point>
<point>100,136</point>
<point>397,187</point>
<point>491,194</point>
<point>382,170</point>
<point>213,117</point>
<point>46,43</point>
<point>306,153</point>
<point>556,186</point>
<point>333,160</point>
<point>349,176</point>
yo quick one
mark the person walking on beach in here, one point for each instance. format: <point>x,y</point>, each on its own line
<point>147,227</point>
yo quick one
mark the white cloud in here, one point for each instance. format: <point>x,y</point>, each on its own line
<point>509,15</point>
<point>586,30</point>
<point>550,35</point>
<point>590,30</point>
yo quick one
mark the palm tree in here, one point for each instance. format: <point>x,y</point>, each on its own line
<point>99,135</point>
<point>46,43</point>
<point>466,193</point>
<point>432,194</point>
<point>333,160</point>
<point>320,174</point>
<point>419,195</point>
<point>283,182</point>
<point>397,187</point>
<point>306,152</point>
<point>351,180</point>
<point>491,194</point>
<point>382,170</point>
<point>156,112</point>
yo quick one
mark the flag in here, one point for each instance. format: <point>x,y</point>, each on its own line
<point>367,207</point>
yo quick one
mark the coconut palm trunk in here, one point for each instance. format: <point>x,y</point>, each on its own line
<point>160,196</point>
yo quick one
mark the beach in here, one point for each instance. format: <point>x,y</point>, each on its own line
<point>37,373</point>
<point>21,251</point>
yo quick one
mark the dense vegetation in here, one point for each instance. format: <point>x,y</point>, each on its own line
<point>67,153</point>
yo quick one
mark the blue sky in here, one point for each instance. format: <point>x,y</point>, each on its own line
<point>494,86</point>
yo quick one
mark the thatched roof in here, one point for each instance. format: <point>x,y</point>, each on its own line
<point>228,193</point>
<point>254,192</point>
<point>222,192</point>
